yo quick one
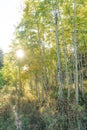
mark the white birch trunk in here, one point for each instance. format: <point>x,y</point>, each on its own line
<point>58,56</point>
<point>76,58</point>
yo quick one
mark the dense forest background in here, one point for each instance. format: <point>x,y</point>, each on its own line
<point>46,89</point>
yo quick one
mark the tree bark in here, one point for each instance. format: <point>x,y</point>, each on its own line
<point>58,57</point>
<point>76,58</point>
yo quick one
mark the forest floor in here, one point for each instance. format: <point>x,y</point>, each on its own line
<point>29,114</point>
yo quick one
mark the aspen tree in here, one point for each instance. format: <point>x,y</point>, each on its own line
<point>56,13</point>
<point>76,58</point>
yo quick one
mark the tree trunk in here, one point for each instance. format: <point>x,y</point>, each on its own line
<point>58,57</point>
<point>41,65</point>
<point>65,57</point>
<point>76,58</point>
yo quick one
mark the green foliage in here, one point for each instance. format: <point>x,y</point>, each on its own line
<point>6,117</point>
<point>1,79</point>
<point>50,121</point>
<point>1,58</point>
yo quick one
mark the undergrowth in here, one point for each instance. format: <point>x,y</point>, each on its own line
<point>53,115</point>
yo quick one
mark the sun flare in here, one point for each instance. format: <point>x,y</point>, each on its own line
<point>20,53</point>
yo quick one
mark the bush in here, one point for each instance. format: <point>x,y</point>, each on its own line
<point>6,118</point>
